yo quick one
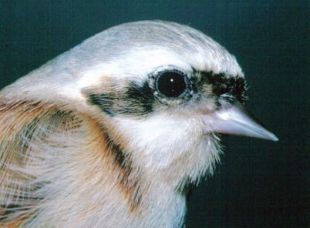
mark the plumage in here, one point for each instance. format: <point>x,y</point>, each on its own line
<point>111,133</point>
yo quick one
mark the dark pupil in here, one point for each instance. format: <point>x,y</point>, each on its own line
<point>171,84</point>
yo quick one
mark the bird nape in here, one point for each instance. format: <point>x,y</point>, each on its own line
<point>110,133</point>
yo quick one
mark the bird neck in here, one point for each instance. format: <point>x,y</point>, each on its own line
<point>94,183</point>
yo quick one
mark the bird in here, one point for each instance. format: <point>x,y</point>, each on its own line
<point>114,131</point>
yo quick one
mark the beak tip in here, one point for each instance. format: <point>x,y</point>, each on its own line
<point>274,138</point>
<point>268,136</point>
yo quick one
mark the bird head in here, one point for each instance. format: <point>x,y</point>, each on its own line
<point>162,90</point>
<point>147,99</point>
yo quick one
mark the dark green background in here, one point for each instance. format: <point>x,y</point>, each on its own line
<point>259,183</point>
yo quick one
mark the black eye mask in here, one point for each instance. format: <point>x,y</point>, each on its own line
<point>231,87</point>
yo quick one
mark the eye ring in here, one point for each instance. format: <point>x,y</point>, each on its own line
<point>171,83</point>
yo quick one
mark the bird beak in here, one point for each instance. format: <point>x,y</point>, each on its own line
<point>233,119</point>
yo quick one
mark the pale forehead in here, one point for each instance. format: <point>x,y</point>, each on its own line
<point>140,47</point>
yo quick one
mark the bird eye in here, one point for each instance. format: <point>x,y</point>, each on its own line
<point>171,83</point>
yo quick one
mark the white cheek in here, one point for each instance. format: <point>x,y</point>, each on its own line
<point>159,140</point>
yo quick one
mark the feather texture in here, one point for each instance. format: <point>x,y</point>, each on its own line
<point>86,140</point>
